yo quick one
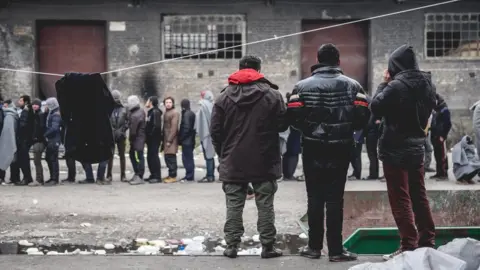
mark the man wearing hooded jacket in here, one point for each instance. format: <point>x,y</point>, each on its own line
<point>119,121</point>
<point>246,119</point>
<point>405,100</point>
<point>440,127</point>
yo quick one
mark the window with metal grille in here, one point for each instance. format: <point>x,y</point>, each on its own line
<point>204,36</point>
<point>452,35</point>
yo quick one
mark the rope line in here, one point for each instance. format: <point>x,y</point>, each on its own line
<point>249,43</point>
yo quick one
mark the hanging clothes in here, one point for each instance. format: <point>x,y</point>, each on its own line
<point>85,106</point>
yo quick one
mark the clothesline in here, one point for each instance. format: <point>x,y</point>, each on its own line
<point>274,38</point>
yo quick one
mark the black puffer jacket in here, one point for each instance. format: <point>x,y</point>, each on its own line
<point>328,106</point>
<point>186,134</point>
<point>405,103</point>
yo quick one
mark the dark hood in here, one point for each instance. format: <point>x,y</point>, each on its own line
<point>248,87</point>
<point>185,104</point>
<point>402,59</point>
<point>440,102</point>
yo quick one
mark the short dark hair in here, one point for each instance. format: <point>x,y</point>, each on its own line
<point>7,101</point>
<point>154,101</point>
<point>250,61</point>
<point>328,54</point>
<point>171,98</point>
<point>26,99</point>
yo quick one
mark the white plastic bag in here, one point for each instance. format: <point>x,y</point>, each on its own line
<point>465,249</point>
<point>420,259</point>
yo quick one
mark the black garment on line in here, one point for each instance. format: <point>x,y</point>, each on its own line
<point>86,105</point>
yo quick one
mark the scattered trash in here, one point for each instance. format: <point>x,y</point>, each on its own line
<point>181,253</point>
<point>85,252</point>
<point>219,249</point>
<point>31,250</point>
<point>36,253</point>
<point>86,225</point>
<point>465,249</point>
<point>243,253</point>
<point>100,252</point>
<point>196,247</point>
<point>141,241</point>
<point>148,250</point>
<point>199,238</point>
<point>76,252</point>
<point>256,238</point>
<point>73,214</point>
<point>109,246</point>
<point>52,253</point>
<point>223,242</point>
<point>157,243</point>
<point>25,243</point>
<point>303,236</point>
<point>35,201</point>
<point>187,241</point>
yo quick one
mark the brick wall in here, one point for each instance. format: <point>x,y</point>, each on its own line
<point>142,40</point>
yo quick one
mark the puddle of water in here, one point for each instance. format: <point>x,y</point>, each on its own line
<point>289,244</point>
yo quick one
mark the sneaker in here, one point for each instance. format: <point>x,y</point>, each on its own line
<point>154,181</point>
<point>344,257</point>
<point>307,252</point>
<point>231,252</point>
<point>67,181</point>
<point>103,182</point>
<point>50,183</point>
<point>170,180</point>
<point>34,184</point>
<point>87,181</point>
<point>439,177</point>
<point>206,180</point>
<point>429,170</point>
<point>137,181</point>
<point>269,252</point>
<point>353,177</point>
<point>390,256</point>
<point>123,178</point>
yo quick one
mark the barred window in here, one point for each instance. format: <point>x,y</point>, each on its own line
<point>188,35</point>
<point>452,35</point>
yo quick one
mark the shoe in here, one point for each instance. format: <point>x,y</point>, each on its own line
<point>87,181</point>
<point>269,252</point>
<point>137,181</point>
<point>24,182</point>
<point>109,178</point>
<point>103,182</point>
<point>344,257</point>
<point>154,181</point>
<point>370,178</point>
<point>170,180</point>
<point>390,256</point>
<point>149,178</point>
<point>462,182</point>
<point>50,183</point>
<point>429,170</point>
<point>231,252</point>
<point>307,252</point>
<point>123,178</point>
<point>206,180</point>
<point>34,184</point>
<point>439,177</point>
<point>470,182</point>
<point>353,177</point>
<point>69,181</point>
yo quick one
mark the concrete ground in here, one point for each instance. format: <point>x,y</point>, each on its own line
<point>169,262</point>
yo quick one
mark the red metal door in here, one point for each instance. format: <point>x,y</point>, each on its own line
<point>69,47</point>
<point>351,40</point>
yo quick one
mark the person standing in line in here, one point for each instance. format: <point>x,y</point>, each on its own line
<point>137,139</point>
<point>356,159</point>
<point>53,137</point>
<point>428,147</point>
<point>186,138</point>
<point>70,162</point>
<point>170,139</point>
<point>38,141</point>
<point>24,142</point>
<point>440,127</point>
<point>202,126</point>
<point>247,117</point>
<point>119,121</point>
<point>8,137</point>
<point>405,99</point>
<point>90,179</point>
<point>290,158</point>
<point>372,135</point>
<point>153,131</point>
<point>327,107</point>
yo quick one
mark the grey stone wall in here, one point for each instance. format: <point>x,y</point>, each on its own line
<point>142,42</point>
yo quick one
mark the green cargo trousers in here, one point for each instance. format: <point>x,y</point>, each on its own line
<point>236,195</point>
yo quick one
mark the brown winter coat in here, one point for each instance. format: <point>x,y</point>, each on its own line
<point>170,132</point>
<point>136,127</point>
<point>246,120</point>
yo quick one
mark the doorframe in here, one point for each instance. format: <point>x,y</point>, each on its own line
<point>369,46</point>
<point>40,23</point>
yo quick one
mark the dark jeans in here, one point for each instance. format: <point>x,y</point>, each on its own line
<point>138,162</point>
<point>188,162</point>
<point>153,160</point>
<point>372,151</point>
<point>410,207</point>
<point>51,155</point>
<point>210,163</point>
<point>325,178</point>
<point>2,175</point>
<point>102,166</point>
<point>22,162</point>
<point>38,149</point>
<point>440,153</point>
<point>289,165</point>
<point>356,160</point>
<point>171,162</point>
<point>72,170</point>
<point>236,195</point>
<point>121,154</point>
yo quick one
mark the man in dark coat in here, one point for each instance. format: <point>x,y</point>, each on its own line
<point>154,138</point>
<point>373,132</point>
<point>356,158</point>
<point>186,138</point>
<point>405,100</point>
<point>327,107</point>
<point>119,121</point>
<point>52,135</point>
<point>38,141</point>
<point>246,119</point>
<point>290,158</point>
<point>440,127</point>
<point>24,142</point>
<point>137,139</point>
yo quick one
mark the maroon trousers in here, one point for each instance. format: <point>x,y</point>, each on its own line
<point>410,207</point>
